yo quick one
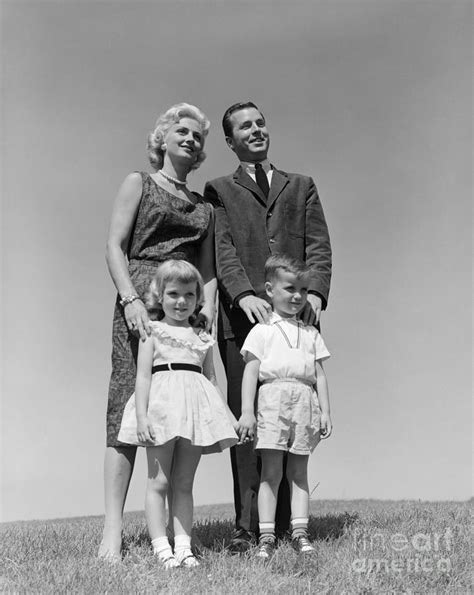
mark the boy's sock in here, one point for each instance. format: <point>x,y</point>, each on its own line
<point>182,550</point>
<point>267,532</point>
<point>162,548</point>
<point>299,527</point>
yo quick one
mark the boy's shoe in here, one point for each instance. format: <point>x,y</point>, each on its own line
<point>265,549</point>
<point>302,545</point>
<point>241,541</point>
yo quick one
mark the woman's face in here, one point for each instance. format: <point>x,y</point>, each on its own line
<point>184,140</point>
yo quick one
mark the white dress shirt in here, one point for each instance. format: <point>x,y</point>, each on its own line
<point>249,168</point>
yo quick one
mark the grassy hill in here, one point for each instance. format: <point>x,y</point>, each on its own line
<point>362,546</point>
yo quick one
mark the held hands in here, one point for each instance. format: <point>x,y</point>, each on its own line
<point>325,426</point>
<point>137,319</point>
<point>246,427</point>
<point>145,432</point>
<point>257,310</point>
<point>311,313</point>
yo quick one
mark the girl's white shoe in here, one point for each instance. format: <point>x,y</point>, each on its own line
<point>168,563</point>
<point>187,559</point>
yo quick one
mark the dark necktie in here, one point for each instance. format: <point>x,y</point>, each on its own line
<point>261,178</point>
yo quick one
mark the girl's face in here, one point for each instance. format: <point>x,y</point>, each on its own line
<point>184,140</point>
<point>179,302</point>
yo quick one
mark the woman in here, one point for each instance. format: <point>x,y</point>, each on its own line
<point>155,217</point>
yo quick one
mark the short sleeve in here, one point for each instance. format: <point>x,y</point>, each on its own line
<point>322,352</point>
<point>254,344</point>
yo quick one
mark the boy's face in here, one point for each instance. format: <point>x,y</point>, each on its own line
<point>288,293</point>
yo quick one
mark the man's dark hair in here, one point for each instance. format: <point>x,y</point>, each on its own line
<point>226,123</point>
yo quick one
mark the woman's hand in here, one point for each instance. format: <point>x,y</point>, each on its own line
<point>208,311</point>
<point>137,319</point>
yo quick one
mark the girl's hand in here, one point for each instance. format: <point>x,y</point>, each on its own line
<point>246,427</point>
<point>145,432</point>
<point>325,426</point>
<point>137,319</point>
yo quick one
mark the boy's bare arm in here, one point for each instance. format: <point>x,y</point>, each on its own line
<point>323,398</point>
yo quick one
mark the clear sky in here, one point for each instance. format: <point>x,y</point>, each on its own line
<point>371,98</point>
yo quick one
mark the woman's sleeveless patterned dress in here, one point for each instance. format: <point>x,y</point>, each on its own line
<point>165,227</point>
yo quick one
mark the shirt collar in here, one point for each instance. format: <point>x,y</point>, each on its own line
<point>250,167</point>
<point>274,318</point>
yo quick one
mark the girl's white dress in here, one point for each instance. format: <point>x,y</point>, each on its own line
<point>182,403</point>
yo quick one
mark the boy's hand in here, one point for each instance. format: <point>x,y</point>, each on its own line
<point>246,427</point>
<point>325,426</point>
<point>145,432</point>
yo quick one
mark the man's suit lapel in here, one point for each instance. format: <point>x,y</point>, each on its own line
<point>243,179</point>
<point>279,181</point>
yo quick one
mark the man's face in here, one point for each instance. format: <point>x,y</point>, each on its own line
<point>250,139</point>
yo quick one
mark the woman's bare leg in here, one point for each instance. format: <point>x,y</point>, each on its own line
<point>118,468</point>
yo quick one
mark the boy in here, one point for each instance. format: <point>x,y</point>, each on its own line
<point>286,357</point>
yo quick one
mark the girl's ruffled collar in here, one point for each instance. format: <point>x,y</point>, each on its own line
<point>202,340</point>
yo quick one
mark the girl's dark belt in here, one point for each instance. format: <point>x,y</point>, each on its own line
<point>172,366</point>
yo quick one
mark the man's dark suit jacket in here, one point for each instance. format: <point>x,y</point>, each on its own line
<point>249,228</point>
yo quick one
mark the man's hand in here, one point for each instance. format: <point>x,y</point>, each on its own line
<point>311,313</point>
<point>257,310</point>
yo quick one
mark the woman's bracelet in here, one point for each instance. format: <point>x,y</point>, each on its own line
<point>128,299</point>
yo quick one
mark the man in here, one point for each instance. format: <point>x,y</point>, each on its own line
<point>259,211</point>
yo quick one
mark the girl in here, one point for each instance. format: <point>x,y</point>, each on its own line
<point>176,410</point>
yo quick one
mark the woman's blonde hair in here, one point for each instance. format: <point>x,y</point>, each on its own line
<point>172,270</point>
<point>172,116</point>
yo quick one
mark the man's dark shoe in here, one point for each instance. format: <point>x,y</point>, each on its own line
<point>241,541</point>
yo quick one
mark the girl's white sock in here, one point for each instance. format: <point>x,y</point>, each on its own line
<point>162,548</point>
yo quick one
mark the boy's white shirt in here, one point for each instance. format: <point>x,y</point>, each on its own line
<point>277,360</point>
